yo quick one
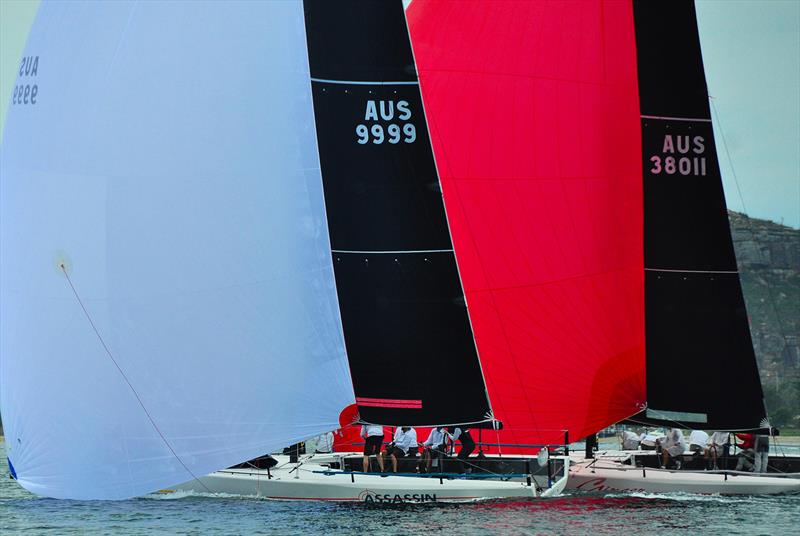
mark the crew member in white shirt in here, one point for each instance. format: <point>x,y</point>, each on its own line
<point>630,441</point>
<point>673,446</point>
<point>403,446</point>
<point>433,446</point>
<point>467,445</point>
<point>373,441</point>
<point>697,441</point>
<point>649,440</point>
<point>716,447</point>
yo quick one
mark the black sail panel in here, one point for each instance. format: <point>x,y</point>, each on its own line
<point>701,368</point>
<point>409,341</point>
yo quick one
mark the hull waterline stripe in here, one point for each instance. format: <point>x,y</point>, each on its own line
<point>389,403</point>
<point>366,82</point>
<point>392,252</point>
<point>692,271</point>
<point>667,118</point>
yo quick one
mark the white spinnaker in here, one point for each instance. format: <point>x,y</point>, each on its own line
<point>170,164</point>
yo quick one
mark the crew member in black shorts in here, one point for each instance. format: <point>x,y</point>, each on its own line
<point>373,441</point>
<point>403,446</point>
<point>467,443</point>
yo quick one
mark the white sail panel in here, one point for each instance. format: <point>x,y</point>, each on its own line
<point>168,164</point>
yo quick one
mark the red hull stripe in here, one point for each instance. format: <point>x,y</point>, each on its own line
<point>389,403</point>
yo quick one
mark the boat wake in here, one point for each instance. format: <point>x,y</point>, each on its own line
<point>172,495</point>
<point>679,496</point>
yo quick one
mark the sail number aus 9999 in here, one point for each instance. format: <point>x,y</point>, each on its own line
<point>376,127</point>
<point>27,90</point>
<point>25,94</point>
<point>392,133</point>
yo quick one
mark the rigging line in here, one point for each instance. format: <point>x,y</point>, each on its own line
<point>121,39</point>
<point>778,449</point>
<point>486,470</point>
<point>124,377</point>
<point>748,225</point>
<point>499,448</point>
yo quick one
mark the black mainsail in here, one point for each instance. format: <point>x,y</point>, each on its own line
<point>701,368</point>
<point>408,336</point>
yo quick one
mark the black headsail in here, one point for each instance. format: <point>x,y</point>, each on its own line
<point>408,336</point>
<point>701,369</point>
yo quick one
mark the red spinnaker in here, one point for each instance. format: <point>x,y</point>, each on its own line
<point>533,108</point>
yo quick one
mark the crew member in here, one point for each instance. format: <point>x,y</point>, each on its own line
<point>630,441</point>
<point>746,452</point>
<point>433,446</point>
<point>762,453</point>
<point>697,442</point>
<point>717,446</point>
<point>673,446</point>
<point>403,446</point>
<point>373,441</point>
<point>467,443</point>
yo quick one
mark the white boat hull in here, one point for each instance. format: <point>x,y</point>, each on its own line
<point>312,481</point>
<point>612,476</point>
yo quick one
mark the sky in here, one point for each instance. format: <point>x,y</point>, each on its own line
<point>751,51</point>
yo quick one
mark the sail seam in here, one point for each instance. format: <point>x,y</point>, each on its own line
<point>392,252</point>
<point>366,82</point>
<point>668,118</point>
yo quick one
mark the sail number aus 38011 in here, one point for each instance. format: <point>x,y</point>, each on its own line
<point>386,121</point>
<point>671,161</point>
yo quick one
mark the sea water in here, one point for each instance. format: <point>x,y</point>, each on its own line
<point>24,513</point>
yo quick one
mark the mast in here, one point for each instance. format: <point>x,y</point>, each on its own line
<point>701,368</point>
<point>408,336</point>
